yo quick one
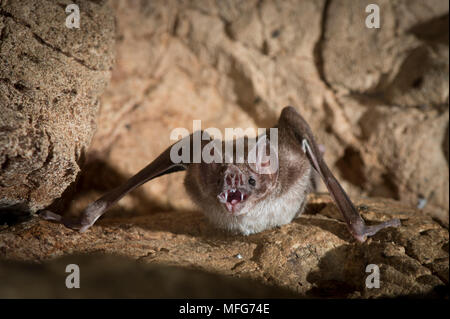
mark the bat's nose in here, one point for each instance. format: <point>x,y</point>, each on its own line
<point>233,177</point>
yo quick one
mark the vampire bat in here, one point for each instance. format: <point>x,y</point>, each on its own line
<point>245,196</point>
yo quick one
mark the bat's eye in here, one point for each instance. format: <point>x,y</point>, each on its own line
<point>252,181</point>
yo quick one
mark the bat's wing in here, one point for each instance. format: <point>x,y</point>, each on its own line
<point>293,121</point>
<point>162,165</point>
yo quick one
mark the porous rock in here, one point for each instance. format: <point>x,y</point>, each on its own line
<point>51,78</point>
<point>313,256</point>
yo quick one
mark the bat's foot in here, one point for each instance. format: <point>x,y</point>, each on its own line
<point>371,230</point>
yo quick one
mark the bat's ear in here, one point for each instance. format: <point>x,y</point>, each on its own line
<point>263,156</point>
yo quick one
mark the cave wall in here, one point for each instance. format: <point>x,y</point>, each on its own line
<point>377,99</point>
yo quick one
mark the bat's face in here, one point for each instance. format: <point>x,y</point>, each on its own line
<point>240,188</point>
<point>236,187</point>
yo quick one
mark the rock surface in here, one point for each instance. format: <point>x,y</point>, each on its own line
<point>51,78</point>
<point>376,98</point>
<point>314,256</point>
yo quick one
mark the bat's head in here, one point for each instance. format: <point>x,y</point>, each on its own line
<point>243,185</point>
<point>240,187</point>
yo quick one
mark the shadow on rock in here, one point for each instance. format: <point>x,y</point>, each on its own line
<point>109,276</point>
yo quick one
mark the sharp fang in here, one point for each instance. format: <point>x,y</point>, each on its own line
<point>242,197</point>
<point>226,196</point>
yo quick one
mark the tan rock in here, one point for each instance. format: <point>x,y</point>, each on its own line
<point>238,64</point>
<point>392,83</point>
<point>50,81</point>
<point>312,256</point>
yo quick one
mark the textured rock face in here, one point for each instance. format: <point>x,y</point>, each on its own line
<point>376,98</point>
<point>393,84</point>
<point>314,256</point>
<point>50,81</point>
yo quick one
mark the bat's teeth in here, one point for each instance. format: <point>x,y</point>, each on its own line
<point>226,196</point>
<point>242,197</point>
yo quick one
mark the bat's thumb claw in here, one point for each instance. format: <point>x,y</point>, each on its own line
<point>69,223</point>
<point>48,215</point>
<point>373,229</point>
<point>394,222</point>
<point>83,229</point>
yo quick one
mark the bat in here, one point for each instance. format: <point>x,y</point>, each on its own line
<point>244,196</point>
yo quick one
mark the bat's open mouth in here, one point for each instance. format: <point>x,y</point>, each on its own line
<point>232,198</point>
